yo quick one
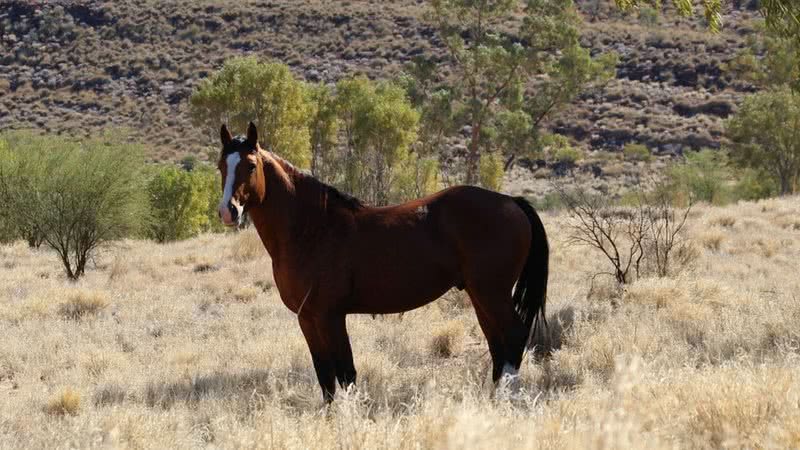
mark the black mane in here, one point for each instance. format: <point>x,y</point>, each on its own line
<point>343,198</point>
<point>347,200</point>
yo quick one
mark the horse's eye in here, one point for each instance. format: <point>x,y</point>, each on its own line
<point>251,168</point>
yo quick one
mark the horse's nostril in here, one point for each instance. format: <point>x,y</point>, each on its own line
<point>234,212</point>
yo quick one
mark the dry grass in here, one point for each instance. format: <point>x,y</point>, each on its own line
<point>184,359</point>
<point>66,402</point>
<point>83,304</point>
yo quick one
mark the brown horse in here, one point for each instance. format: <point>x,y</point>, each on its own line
<point>333,256</point>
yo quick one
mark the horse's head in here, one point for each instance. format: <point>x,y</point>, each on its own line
<point>242,170</point>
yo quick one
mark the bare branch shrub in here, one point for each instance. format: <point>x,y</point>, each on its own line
<point>637,239</point>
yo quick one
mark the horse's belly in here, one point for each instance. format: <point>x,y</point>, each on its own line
<point>401,289</point>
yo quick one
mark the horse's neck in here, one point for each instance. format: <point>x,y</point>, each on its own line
<point>275,217</point>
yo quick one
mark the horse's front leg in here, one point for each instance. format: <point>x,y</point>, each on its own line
<point>330,351</point>
<point>321,355</point>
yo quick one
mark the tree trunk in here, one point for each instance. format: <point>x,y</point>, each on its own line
<point>473,156</point>
<point>509,163</point>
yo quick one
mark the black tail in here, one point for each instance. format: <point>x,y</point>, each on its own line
<point>530,293</point>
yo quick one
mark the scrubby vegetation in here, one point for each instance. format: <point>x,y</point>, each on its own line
<point>73,197</point>
<point>664,142</point>
<point>183,203</point>
<point>181,358</point>
<point>670,91</point>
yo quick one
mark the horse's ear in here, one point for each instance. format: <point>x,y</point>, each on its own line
<point>225,135</point>
<point>252,135</point>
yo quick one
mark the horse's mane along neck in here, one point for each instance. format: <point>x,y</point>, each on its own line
<point>308,189</point>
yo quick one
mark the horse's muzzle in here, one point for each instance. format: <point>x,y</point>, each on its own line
<point>230,214</point>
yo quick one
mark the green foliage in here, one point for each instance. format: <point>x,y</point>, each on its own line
<point>182,203</point>
<point>324,127</point>
<point>769,60</point>
<point>783,16</point>
<point>764,137</point>
<point>648,15</point>
<point>754,185</point>
<point>491,171</point>
<point>8,231</point>
<point>637,152</point>
<point>433,101</point>
<point>574,72</point>
<point>416,177</point>
<point>378,158</point>
<point>76,196</point>
<point>266,93</point>
<point>703,177</point>
<point>568,154</point>
<point>12,164</point>
<point>551,201</point>
<point>711,8</point>
<point>498,87</point>
<point>379,124</point>
<point>560,150</point>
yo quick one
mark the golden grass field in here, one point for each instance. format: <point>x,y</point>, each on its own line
<point>188,345</point>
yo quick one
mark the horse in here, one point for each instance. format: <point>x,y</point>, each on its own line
<point>332,255</point>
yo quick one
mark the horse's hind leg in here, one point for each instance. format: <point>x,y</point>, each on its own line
<point>504,331</point>
<point>345,368</point>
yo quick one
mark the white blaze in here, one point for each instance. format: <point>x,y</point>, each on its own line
<point>232,161</point>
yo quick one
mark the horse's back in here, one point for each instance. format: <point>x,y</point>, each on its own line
<point>411,253</point>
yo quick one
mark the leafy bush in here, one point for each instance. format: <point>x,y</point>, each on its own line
<point>703,176</point>
<point>416,177</point>
<point>763,136</point>
<point>568,154</point>
<point>648,15</point>
<point>754,185</point>
<point>78,196</point>
<point>359,136</point>
<point>13,227</point>
<point>490,170</point>
<point>267,93</point>
<point>182,203</point>
<point>637,152</point>
<point>550,202</point>
<point>559,149</point>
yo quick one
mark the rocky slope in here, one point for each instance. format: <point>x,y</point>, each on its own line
<point>78,66</point>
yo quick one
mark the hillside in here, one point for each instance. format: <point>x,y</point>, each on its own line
<point>78,66</point>
<point>187,345</point>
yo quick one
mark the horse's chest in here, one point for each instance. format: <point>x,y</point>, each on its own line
<point>288,287</point>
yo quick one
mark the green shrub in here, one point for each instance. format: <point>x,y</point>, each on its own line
<point>381,125</point>
<point>704,176</point>
<point>416,177</point>
<point>648,15</point>
<point>490,170</point>
<point>267,93</point>
<point>568,154</point>
<point>182,203</point>
<point>551,201</point>
<point>77,196</point>
<point>763,136</point>
<point>754,185</point>
<point>637,152</point>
